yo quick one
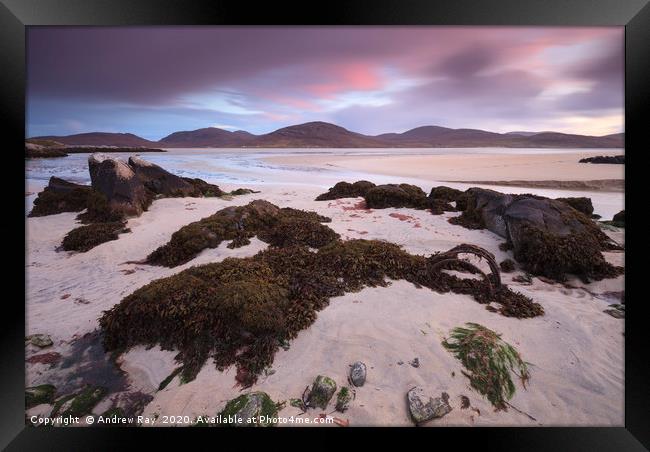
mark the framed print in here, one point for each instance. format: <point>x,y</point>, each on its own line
<point>371,217</point>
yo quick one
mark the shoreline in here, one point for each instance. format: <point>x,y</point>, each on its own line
<point>599,185</point>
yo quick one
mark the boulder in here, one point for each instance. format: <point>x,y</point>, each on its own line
<point>255,409</point>
<point>619,219</point>
<point>60,196</point>
<point>39,340</point>
<point>424,408</point>
<point>321,392</point>
<point>491,205</point>
<point>159,180</point>
<point>358,374</point>
<point>120,185</point>
<point>346,190</point>
<point>393,195</point>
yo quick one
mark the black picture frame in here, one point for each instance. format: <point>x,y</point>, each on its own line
<point>15,15</point>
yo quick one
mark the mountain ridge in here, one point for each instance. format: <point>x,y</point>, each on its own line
<point>319,134</point>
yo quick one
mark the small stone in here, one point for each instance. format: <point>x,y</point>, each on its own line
<point>415,363</point>
<point>250,410</point>
<point>40,340</point>
<point>343,399</point>
<point>526,279</point>
<point>321,392</point>
<point>399,363</point>
<point>423,408</point>
<point>616,313</point>
<point>358,374</point>
<point>38,395</point>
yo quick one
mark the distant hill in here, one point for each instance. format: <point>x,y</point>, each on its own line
<point>322,134</point>
<point>208,137</point>
<point>316,134</point>
<point>101,139</point>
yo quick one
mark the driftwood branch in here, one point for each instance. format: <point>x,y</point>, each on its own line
<point>451,256</point>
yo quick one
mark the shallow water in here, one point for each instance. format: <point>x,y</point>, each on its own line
<point>247,166</point>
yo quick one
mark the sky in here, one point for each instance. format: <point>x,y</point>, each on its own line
<point>152,81</point>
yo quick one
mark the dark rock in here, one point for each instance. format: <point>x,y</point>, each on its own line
<point>582,204</point>
<point>425,408</point>
<point>159,180</point>
<point>393,195</point>
<point>60,196</point>
<point>616,310</point>
<point>321,392</point>
<point>203,188</point>
<point>113,178</point>
<point>619,219</point>
<point>346,190</point>
<point>415,362</point>
<point>615,159</point>
<point>358,374</point>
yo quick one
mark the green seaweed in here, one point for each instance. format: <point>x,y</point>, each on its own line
<point>87,237</point>
<point>37,395</point>
<point>489,361</point>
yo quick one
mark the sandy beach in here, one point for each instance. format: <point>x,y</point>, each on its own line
<point>575,350</point>
<point>489,168</point>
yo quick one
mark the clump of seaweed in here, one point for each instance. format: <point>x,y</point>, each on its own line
<point>239,311</point>
<point>346,190</point>
<point>489,361</point>
<point>98,210</point>
<point>60,196</point>
<point>553,256</point>
<point>393,195</point>
<point>87,237</point>
<point>507,266</point>
<point>278,227</point>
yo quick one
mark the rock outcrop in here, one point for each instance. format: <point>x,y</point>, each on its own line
<point>117,181</point>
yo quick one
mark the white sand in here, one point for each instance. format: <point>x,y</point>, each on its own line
<point>575,349</point>
<point>472,167</point>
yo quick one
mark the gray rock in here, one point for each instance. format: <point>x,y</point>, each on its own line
<point>40,340</point>
<point>616,310</point>
<point>492,205</point>
<point>159,180</point>
<point>358,374</point>
<point>425,408</point>
<point>118,182</point>
<point>321,392</point>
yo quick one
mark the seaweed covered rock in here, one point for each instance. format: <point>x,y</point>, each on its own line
<point>423,408</point>
<point>582,204</point>
<point>255,409</point>
<point>117,181</point>
<point>393,195</point>
<point>87,237</point>
<point>278,227</point>
<point>552,239</point>
<point>239,311</point>
<point>60,196</point>
<point>159,180</point>
<point>203,188</point>
<point>321,392</point>
<point>549,237</point>
<point>346,190</point>
<point>37,395</point>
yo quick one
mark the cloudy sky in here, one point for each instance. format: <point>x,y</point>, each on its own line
<point>156,80</point>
